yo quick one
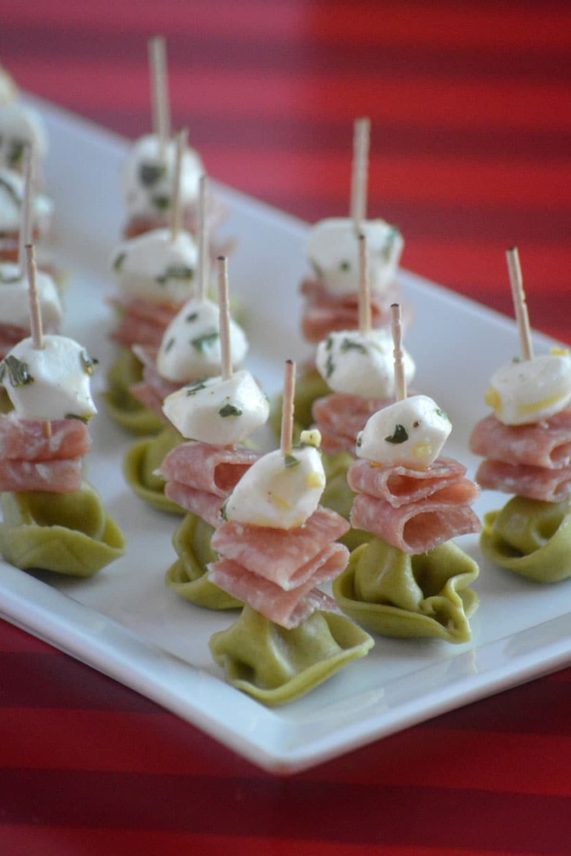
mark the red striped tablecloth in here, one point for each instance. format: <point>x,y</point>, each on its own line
<point>470,154</point>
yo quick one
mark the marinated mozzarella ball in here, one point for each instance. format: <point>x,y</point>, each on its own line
<point>49,383</point>
<point>409,433</point>
<point>15,301</point>
<point>11,199</point>
<point>20,126</point>
<point>333,252</point>
<point>279,491</point>
<point>191,343</point>
<point>531,390</point>
<point>155,268</point>
<point>218,411</point>
<point>360,363</point>
<point>148,179</point>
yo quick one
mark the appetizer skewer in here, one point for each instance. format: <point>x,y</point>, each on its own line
<point>526,444</point>
<point>409,579</point>
<point>274,548</point>
<point>331,294</point>
<point>53,519</point>
<point>216,415</point>
<point>192,350</point>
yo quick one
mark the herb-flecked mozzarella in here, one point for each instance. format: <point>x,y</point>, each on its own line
<point>279,491</point>
<point>20,126</point>
<point>409,433</point>
<point>190,346</point>
<point>11,198</point>
<point>49,383</point>
<point>148,180</point>
<point>15,301</point>
<point>155,268</point>
<point>333,252</point>
<point>218,411</point>
<point>360,363</point>
<point>531,390</point>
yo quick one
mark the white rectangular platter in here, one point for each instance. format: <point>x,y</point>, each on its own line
<point>124,621</point>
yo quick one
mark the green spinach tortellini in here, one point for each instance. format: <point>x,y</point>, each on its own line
<point>122,407</point>
<point>188,575</point>
<point>69,533</point>
<point>531,538</point>
<point>397,594</point>
<point>275,665</point>
<point>139,466</point>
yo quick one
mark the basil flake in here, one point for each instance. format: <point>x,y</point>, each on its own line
<point>151,173</point>
<point>87,363</point>
<point>16,153</point>
<point>118,263</point>
<point>291,461</point>
<point>329,366</point>
<point>196,387</point>
<point>329,343</point>
<point>345,266</point>
<point>169,344</point>
<point>192,317</point>
<point>350,345</point>
<point>229,410</point>
<point>18,372</point>
<point>84,419</point>
<point>175,272</point>
<point>400,435</point>
<point>202,342</point>
<point>442,413</point>
<point>161,202</point>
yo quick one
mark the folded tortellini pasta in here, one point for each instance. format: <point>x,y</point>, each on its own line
<point>397,594</point>
<point>188,575</point>
<point>275,665</point>
<point>531,538</point>
<point>139,466</point>
<point>69,533</point>
<point>122,407</point>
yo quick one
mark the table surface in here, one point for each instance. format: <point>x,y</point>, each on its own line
<point>470,154</point>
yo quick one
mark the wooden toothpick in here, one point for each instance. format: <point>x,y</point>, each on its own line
<point>159,92</point>
<point>223,305</point>
<point>520,305</point>
<point>364,287</point>
<point>286,441</point>
<point>26,212</point>
<point>35,315</point>
<point>359,176</point>
<point>176,214</point>
<point>203,257</point>
<point>396,329</point>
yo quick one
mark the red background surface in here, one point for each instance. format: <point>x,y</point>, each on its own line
<point>470,154</point>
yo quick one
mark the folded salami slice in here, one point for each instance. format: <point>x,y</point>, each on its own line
<point>142,322</point>
<point>287,558</point>
<point>340,417</point>
<point>544,444</point>
<point>549,485</point>
<point>443,480</point>
<point>206,505</point>
<point>153,389</point>
<point>214,469</point>
<point>287,608</point>
<point>417,527</point>
<point>25,440</point>
<point>325,312</point>
<point>56,476</point>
